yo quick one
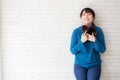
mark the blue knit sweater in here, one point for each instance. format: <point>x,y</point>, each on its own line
<point>88,53</point>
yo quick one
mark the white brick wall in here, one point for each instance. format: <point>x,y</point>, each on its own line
<point>36,38</point>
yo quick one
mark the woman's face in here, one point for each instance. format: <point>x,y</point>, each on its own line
<point>87,18</point>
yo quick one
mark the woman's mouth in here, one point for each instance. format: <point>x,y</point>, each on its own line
<point>86,19</point>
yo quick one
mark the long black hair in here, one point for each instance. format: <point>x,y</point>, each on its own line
<point>92,27</point>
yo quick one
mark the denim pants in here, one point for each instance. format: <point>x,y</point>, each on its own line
<point>91,73</point>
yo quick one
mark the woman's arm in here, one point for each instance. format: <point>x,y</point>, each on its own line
<point>99,44</point>
<point>76,45</point>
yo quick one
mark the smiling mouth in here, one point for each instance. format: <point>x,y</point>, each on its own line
<point>86,20</point>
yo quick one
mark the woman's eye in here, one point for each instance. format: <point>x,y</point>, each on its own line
<point>83,14</point>
<point>89,14</point>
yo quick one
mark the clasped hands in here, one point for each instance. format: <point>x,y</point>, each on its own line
<point>85,36</point>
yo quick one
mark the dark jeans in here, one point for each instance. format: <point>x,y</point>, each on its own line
<point>91,73</point>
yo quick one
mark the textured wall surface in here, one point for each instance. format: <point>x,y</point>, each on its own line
<point>36,38</point>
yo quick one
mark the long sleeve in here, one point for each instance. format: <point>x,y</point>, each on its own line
<point>76,45</point>
<point>99,44</point>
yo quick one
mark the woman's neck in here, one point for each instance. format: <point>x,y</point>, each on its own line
<point>88,25</point>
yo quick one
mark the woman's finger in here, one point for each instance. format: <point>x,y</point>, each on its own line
<point>85,32</point>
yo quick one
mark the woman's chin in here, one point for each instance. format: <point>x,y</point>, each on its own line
<point>86,23</point>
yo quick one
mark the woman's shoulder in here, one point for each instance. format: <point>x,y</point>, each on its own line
<point>78,29</point>
<point>98,28</point>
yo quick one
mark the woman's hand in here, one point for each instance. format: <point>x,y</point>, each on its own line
<point>84,37</point>
<point>91,37</point>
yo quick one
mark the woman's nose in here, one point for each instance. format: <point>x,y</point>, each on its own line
<point>86,16</point>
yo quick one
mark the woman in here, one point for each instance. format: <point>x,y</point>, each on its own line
<point>87,43</point>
